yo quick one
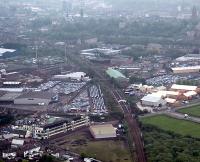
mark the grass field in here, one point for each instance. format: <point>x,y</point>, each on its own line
<point>193,110</point>
<point>104,150</point>
<point>171,124</point>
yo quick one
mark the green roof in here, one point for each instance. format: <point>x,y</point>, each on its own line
<point>114,73</point>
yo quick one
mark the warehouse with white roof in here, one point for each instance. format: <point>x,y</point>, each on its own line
<point>190,94</point>
<point>190,69</point>
<point>6,53</point>
<point>178,87</point>
<point>167,93</point>
<point>153,100</point>
<point>103,131</point>
<point>73,76</point>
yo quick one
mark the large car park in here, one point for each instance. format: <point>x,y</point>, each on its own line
<point>68,87</point>
<point>79,104</point>
<point>164,80</point>
<point>97,100</point>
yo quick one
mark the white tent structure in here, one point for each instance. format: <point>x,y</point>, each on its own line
<point>153,100</point>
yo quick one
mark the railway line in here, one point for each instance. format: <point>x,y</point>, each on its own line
<point>133,128</point>
<point>132,122</point>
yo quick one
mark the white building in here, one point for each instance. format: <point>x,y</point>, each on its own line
<point>166,93</point>
<point>73,76</point>
<point>17,143</point>
<point>153,100</point>
<point>32,151</point>
<point>190,94</point>
<point>103,131</point>
<point>9,155</point>
<point>184,87</point>
<point>190,69</point>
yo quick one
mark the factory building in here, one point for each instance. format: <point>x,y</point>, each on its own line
<point>184,88</point>
<point>115,73</point>
<point>77,76</point>
<point>7,53</point>
<point>153,100</point>
<point>45,131</point>
<point>188,58</point>
<point>171,94</point>
<point>103,131</point>
<point>9,97</point>
<point>36,98</point>
<point>117,76</point>
<point>182,70</point>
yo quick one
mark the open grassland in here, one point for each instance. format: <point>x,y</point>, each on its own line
<point>175,125</point>
<point>104,150</point>
<point>192,110</point>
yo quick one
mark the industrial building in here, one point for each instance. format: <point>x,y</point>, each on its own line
<point>103,131</point>
<point>171,94</point>
<point>118,77</point>
<point>72,76</point>
<point>112,73</point>
<point>184,88</point>
<point>170,101</point>
<point>153,100</point>
<point>190,94</point>
<point>54,126</point>
<point>36,98</point>
<point>9,97</point>
<point>182,70</point>
<point>188,57</point>
<point>16,90</point>
<point>7,53</point>
<point>100,51</point>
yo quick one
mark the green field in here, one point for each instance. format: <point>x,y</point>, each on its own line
<point>104,150</point>
<point>175,125</point>
<point>193,110</point>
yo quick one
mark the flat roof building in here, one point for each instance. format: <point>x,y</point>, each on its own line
<point>188,57</point>
<point>12,89</point>
<point>9,97</point>
<point>73,76</point>
<point>190,69</point>
<point>115,73</point>
<point>36,98</point>
<point>103,131</point>
<point>184,87</point>
<point>167,93</point>
<point>53,126</point>
<point>153,100</point>
<point>6,53</point>
<point>190,94</point>
<point>170,100</point>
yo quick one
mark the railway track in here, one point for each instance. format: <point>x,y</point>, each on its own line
<point>132,122</point>
<point>133,127</point>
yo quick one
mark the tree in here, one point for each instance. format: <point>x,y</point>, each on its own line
<point>83,155</point>
<point>46,158</point>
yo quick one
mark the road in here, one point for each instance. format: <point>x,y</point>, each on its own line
<point>182,116</point>
<point>173,113</point>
